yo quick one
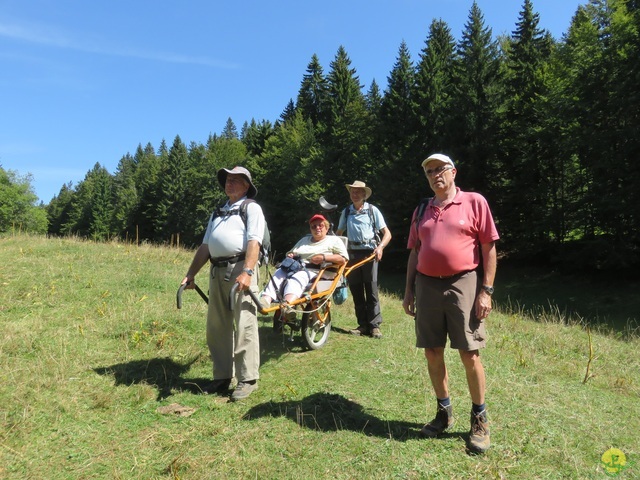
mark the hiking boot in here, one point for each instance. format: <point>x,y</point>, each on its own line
<point>479,440</point>
<point>359,331</point>
<point>376,333</point>
<point>243,390</point>
<point>217,387</point>
<point>442,421</point>
<point>289,314</point>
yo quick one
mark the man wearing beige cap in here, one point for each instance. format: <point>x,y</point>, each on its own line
<point>450,273</point>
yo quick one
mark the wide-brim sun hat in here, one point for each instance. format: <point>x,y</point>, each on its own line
<point>237,170</point>
<point>359,184</point>
<point>437,156</point>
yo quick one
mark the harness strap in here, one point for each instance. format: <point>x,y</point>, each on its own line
<point>225,261</point>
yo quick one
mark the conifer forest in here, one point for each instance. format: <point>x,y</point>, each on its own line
<point>546,129</point>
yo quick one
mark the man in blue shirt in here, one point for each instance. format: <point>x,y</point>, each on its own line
<point>363,223</point>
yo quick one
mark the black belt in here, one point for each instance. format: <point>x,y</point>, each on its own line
<point>226,261</point>
<point>447,277</point>
<point>361,250</point>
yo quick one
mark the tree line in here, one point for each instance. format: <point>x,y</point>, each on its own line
<point>545,129</point>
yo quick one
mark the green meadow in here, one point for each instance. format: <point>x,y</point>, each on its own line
<point>101,376</point>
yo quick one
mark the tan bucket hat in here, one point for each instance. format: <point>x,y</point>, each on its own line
<point>359,184</point>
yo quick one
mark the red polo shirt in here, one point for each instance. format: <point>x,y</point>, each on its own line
<point>450,238</point>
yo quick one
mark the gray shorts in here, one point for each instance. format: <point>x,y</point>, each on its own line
<point>445,306</point>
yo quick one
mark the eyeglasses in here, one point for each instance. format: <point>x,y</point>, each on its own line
<point>317,225</point>
<point>434,172</point>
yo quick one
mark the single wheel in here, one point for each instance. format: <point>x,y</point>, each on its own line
<point>316,325</point>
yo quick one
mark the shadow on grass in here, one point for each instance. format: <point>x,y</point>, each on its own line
<point>330,412</point>
<point>167,375</point>
<point>163,373</point>
<point>275,344</point>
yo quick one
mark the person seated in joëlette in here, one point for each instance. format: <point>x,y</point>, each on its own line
<point>312,251</point>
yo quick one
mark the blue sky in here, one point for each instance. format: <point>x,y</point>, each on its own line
<point>87,81</point>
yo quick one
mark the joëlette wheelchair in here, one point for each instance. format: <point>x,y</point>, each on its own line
<point>313,308</point>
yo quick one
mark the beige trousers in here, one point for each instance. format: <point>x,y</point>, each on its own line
<point>232,335</point>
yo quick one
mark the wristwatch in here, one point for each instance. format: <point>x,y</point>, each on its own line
<point>488,289</point>
<point>248,271</point>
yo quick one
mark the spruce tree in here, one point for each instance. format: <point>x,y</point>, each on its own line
<point>395,139</point>
<point>125,197</point>
<point>524,162</point>
<point>312,95</point>
<point>434,91</point>
<point>476,103</point>
<point>347,133</point>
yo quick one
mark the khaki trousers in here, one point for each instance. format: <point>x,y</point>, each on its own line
<point>232,336</point>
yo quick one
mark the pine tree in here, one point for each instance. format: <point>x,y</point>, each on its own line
<point>255,136</point>
<point>91,207</point>
<point>101,206</point>
<point>395,139</point>
<point>601,69</point>
<point>59,208</point>
<point>398,109</point>
<point>288,112</point>
<point>373,99</point>
<point>125,197</point>
<point>170,218</point>
<point>434,92</point>
<point>523,159</point>
<point>148,166</point>
<point>347,133</point>
<point>230,131</point>
<point>476,103</point>
<point>312,96</point>
<point>290,173</point>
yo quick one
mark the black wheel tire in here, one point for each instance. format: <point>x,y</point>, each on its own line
<point>316,326</point>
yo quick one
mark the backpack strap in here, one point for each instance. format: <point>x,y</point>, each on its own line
<point>420,209</point>
<point>229,261</point>
<point>346,213</point>
<point>265,246</point>
<point>372,221</point>
<point>243,209</point>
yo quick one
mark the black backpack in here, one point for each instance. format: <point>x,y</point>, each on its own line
<point>265,247</point>
<point>422,206</point>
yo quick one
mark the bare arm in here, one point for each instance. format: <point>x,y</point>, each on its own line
<point>334,258</point>
<point>386,238</point>
<point>250,261</point>
<point>489,264</point>
<point>409,295</point>
<point>199,259</point>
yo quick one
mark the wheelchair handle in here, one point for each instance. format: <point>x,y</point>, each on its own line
<point>256,300</point>
<point>181,289</point>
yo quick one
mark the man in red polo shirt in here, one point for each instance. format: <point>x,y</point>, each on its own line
<point>448,294</point>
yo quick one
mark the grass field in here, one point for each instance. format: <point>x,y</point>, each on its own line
<point>93,346</point>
